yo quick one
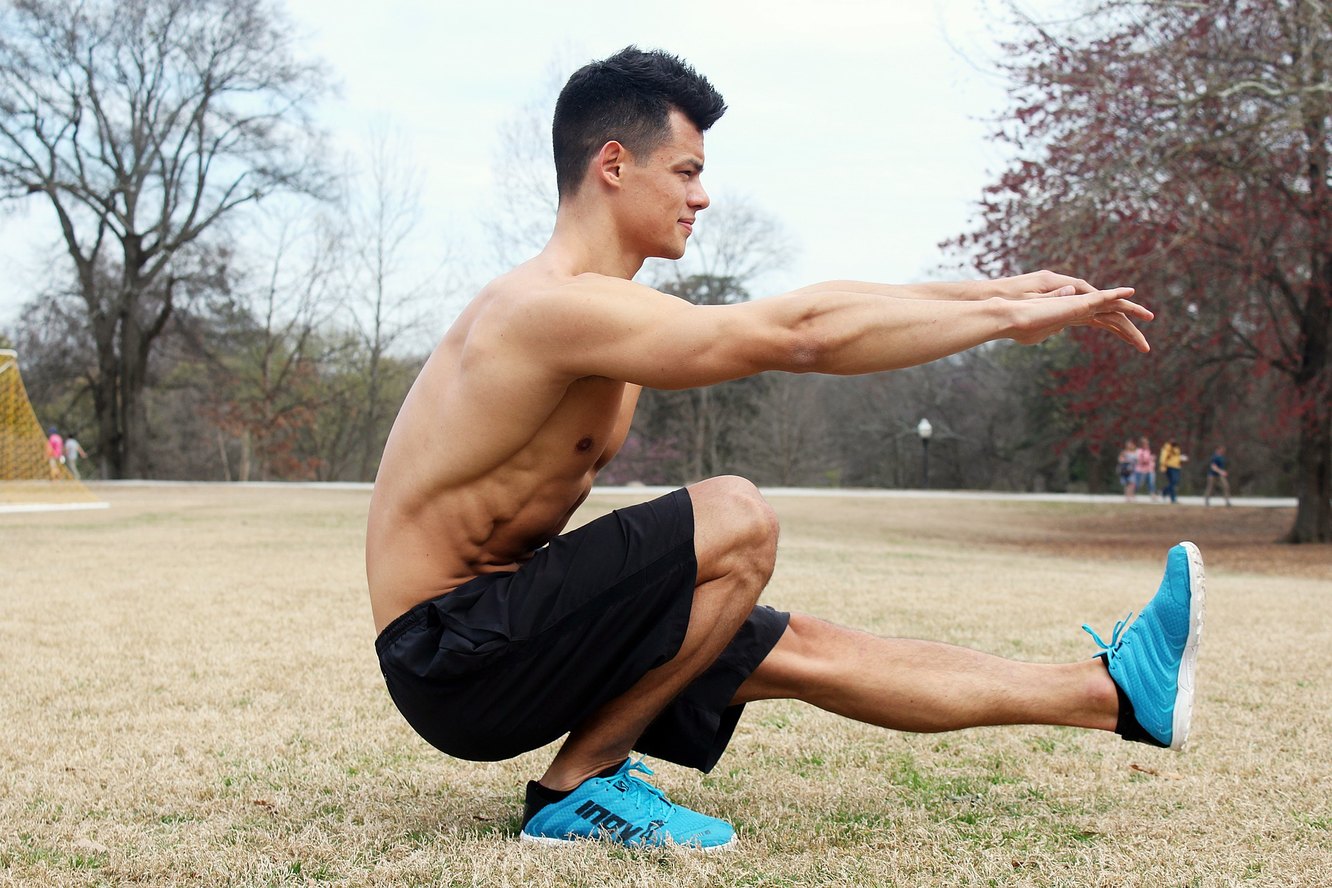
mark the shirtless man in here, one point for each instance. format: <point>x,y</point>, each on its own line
<point>499,633</point>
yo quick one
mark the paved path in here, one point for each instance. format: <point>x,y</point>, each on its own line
<point>858,493</point>
<point>876,493</point>
<point>642,491</point>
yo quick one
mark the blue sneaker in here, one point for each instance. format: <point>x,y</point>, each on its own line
<point>1153,663</point>
<point>625,809</point>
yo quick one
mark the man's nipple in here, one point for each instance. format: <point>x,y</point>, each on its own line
<point>584,444</point>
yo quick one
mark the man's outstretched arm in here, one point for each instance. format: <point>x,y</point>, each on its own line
<point>1023,286</point>
<point>599,326</point>
<point>1034,284</point>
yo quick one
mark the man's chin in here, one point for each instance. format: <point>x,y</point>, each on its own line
<point>670,253</point>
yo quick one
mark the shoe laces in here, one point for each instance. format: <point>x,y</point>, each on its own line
<point>1114,635</point>
<point>659,807</point>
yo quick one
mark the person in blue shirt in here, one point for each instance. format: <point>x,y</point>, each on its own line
<point>1216,473</point>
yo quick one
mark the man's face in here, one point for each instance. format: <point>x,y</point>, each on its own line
<point>666,193</point>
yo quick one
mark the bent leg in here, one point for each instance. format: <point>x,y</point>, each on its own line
<point>925,686</point>
<point>735,543</point>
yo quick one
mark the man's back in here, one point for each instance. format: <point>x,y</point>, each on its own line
<point>490,454</point>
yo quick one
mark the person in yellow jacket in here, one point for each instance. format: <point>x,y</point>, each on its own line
<point>1172,460</point>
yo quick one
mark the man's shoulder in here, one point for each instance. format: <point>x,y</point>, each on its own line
<point>528,317</point>
<point>540,298</point>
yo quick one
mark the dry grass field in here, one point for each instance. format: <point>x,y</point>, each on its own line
<point>190,697</point>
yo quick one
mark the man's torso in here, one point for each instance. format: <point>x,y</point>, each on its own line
<point>488,458</point>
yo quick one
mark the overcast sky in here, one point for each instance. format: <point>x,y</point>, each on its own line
<point>862,125</point>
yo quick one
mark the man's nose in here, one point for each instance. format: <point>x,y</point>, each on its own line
<point>699,199</point>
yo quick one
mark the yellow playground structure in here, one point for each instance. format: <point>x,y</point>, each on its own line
<point>32,476</point>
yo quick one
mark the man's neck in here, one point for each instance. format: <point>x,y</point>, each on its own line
<point>588,242</point>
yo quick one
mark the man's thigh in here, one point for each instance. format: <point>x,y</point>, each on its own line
<point>506,664</point>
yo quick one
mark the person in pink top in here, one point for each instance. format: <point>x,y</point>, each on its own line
<point>55,452</point>
<point>1144,471</point>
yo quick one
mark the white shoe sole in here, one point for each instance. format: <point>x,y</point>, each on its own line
<point>549,841</point>
<point>1188,663</point>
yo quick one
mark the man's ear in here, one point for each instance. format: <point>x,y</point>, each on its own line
<point>610,163</point>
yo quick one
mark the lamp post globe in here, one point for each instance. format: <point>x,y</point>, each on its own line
<point>925,430</point>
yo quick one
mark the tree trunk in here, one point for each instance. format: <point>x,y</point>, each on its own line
<point>370,430</point>
<point>1313,381</point>
<point>133,418</point>
<point>108,433</point>
<point>1313,510</point>
<point>106,400</point>
<point>222,452</point>
<point>134,423</point>
<point>243,471</point>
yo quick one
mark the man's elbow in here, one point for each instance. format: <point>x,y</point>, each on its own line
<point>802,351</point>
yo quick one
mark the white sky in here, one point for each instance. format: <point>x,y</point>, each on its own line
<point>859,124</point>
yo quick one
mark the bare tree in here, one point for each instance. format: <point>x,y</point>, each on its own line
<point>524,203</point>
<point>269,352</point>
<point>145,124</point>
<point>522,211</point>
<point>385,294</point>
<point>789,440</point>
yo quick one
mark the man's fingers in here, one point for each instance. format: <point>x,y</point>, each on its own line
<point>1109,310</point>
<point>1118,300</point>
<point>1131,309</point>
<point>1122,327</point>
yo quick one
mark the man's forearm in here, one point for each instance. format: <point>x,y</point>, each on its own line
<point>936,290</point>
<point>853,331</point>
<point>849,332</point>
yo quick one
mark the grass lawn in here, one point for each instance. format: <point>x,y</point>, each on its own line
<point>191,698</point>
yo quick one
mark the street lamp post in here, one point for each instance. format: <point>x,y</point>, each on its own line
<point>925,430</point>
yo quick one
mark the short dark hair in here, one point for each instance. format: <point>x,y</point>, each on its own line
<point>628,98</point>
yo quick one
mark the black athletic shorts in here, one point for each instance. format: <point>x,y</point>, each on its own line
<point>509,662</point>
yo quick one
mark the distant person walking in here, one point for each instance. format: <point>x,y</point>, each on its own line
<point>1128,459</point>
<point>1172,460</point>
<point>1144,468</point>
<point>73,453</point>
<point>1216,472</point>
<point>55,452</point>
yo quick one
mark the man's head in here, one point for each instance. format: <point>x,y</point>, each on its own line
<point>626,98</point>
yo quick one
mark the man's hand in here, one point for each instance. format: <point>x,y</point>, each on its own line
<point>1041,315</point>
<point>1035,284</point>
<point>1080,304</point>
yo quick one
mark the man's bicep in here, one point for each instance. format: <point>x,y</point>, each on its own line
<point>638,335</point>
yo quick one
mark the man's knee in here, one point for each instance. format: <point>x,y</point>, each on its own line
<point>733,526</point>
<point>735,503</point>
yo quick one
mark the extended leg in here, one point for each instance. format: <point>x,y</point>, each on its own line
<point>926,686</point>
<point>1143,688</point>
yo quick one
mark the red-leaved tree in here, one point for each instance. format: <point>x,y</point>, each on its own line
<point>1183,148</point>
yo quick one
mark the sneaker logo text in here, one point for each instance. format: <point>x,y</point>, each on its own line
<point>608,821</point>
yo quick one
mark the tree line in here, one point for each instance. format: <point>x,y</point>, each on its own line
<point>234,308</point>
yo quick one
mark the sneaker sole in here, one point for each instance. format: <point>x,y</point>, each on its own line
<point>548,841</point>
<point>1188,662</point>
